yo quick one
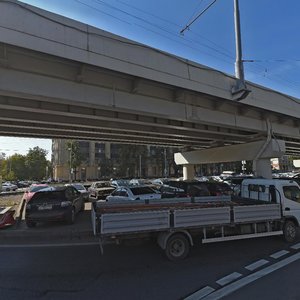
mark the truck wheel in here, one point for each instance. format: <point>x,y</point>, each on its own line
<point>290,231</point>
<point>178,247</point>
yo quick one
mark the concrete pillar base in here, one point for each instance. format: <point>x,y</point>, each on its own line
<point>188,172</point>
<point>262,167</point>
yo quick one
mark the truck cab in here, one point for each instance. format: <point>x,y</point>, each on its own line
<point>284,192</point>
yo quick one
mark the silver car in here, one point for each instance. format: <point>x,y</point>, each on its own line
<point>133,193</point>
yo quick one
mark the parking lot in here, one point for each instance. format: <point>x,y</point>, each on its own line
<point>45,232</point>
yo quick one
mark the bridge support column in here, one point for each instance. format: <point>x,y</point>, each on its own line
<point>188,172</point>
<point>262,167</point>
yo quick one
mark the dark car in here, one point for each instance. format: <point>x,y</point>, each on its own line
<point>219,188</point>
<point>80,188</point>
<point>191,188</point>
<point>57,203</point>
<point>168,191</point>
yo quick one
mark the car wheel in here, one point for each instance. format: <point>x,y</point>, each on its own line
<point>70,219</point>
<point>30,224</point>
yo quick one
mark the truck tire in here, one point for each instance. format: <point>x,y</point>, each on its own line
<point>178,247</point>
<point>290,231</point>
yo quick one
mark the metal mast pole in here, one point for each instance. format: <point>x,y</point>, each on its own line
<point>239,90</point>
<point>239,69</point>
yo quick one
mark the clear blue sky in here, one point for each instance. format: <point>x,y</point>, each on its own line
<point>270,33</point>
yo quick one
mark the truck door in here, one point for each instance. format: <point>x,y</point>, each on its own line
<point>291,203</point>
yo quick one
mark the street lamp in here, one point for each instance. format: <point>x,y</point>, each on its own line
<point>165,164</point>
<point>70,166</point>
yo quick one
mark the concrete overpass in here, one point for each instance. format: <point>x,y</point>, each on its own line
<point>60,78</point>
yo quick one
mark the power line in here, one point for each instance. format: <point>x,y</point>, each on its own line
<point>102,12</point>
<point>255,66</point>
<point>197,17</point>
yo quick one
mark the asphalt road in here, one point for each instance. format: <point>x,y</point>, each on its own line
<point>137,271</point>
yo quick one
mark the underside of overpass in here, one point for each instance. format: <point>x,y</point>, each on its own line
<point>109,114</point>
<point>63,79</point>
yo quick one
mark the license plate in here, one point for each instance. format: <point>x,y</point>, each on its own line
<point>45,207</point>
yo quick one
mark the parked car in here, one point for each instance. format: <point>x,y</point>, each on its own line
<point>7,217</point>
<point>119,182</point>
<point>168,191</point>
<point>193,188</point>
<point>57,203</point>
<point>32,190</point>
<point>218,188</point>
<point>133,193</point>
<point>23,184</point>
<point>81,189</point>
<point>8,187</point>
<point>100,189</point>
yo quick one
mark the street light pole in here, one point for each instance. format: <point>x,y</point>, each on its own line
<point>239,90</point>
<point>70,160</point>
<point>239,68</point>
<point>165,160</point>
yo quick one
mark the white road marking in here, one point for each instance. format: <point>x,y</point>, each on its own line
<point>229,278</point>
<point>222,292</point>
<point>257,264</point>
<point>49,245</point>
<point>200,294</point>
<point>296,247</point>
<point>279,254</point>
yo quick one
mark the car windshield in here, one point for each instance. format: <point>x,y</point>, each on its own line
<point>79,187</point>
<point>142,190</point>
<point>102,184</point>
<point>49,196</point>
<point>36,188</point>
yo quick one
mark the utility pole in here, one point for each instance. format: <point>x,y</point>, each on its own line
<point>239,89</point>
<point>140,165</point>
<point>165,163</point>
<point>239,68</point>
<point>70,160</point>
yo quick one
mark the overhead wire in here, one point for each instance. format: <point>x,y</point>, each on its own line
<point>157,26</point>
<point>255,67</point>
<point>128,42</point>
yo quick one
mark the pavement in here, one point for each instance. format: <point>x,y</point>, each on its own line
<point>52,232</point>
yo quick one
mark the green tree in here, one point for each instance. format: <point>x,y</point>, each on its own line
<point>75,156</point>
<point>36,163</point>
<point>17,164</point>
<point>9,168</point>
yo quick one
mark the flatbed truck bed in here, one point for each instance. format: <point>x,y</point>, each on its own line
<point>177,221</point>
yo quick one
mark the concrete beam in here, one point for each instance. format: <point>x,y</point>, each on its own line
<point>247,151</point>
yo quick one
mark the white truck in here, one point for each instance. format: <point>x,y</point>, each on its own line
<point>265,208</point>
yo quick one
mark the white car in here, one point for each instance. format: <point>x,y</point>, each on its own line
<point>133,193</point>
<point>7,187</point>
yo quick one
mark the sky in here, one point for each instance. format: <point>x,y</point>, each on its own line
<point>270,36</point>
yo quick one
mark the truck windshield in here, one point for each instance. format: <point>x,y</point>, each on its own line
<point>292,193</point>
